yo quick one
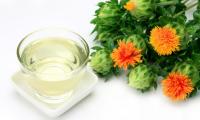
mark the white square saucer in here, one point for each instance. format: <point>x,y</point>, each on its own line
<point>84,88</point>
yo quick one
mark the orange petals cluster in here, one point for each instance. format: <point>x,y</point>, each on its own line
<point>126,54</point>
<point>130,6</point>
<point>177,86</point>
<point>164,40</point>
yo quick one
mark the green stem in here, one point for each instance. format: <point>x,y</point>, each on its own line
<point>181,12</point>
<point>166,3</point>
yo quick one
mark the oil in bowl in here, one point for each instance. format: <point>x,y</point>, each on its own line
<point>55,66</point>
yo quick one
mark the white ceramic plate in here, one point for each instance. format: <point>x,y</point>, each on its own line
<point>85,87</point>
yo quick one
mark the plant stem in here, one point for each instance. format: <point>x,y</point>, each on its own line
<point>181,12</point>
<point>166,3</point>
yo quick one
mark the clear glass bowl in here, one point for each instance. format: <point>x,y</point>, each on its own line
<point>54,59</point>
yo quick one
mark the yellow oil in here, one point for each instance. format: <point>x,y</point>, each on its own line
<point>51,61</point>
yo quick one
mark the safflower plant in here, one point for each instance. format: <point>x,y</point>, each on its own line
<point>146,39</point>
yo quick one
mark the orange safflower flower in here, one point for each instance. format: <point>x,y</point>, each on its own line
<point>177,86</point>
<point>164,40</point>
<point>126,54</point>
<point>130,6</point>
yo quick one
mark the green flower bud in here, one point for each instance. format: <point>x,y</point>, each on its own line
<point>109,13</point>
<point>139,42</point>
<point>101,62</point>
<point>141,77</point>
<point>188,69</point>
<point>139,8</point>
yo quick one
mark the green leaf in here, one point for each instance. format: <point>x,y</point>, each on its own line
<point>96,48</point>
<point>198,85</point>
<point>192,27</point>
<point>194,92</point>
<point>155,85</point>
<point>114,1</point>
<point>116,71</point>
<point>196,15</point>
<point>196,59</point>
<point>100,4</point>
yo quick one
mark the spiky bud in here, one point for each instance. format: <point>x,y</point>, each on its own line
<point>101,62</point>
<point>139,42</point>
<point>141,77</point>
<point>139,8</point>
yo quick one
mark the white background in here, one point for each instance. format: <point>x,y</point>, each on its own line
<point>113,100</point>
